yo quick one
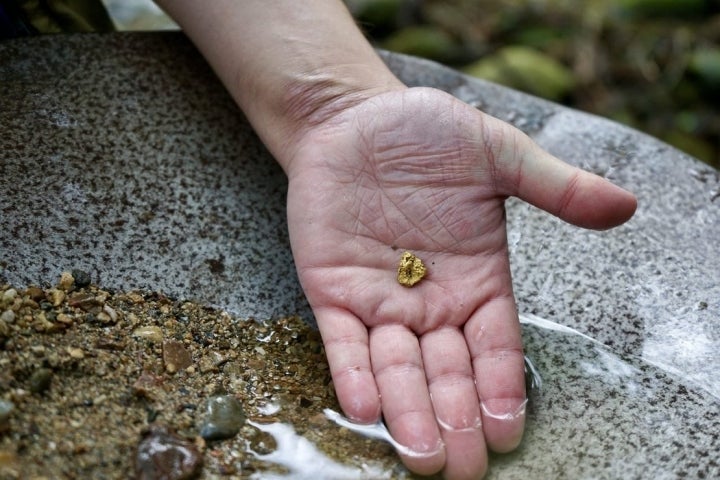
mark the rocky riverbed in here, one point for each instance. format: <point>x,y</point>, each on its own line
<point>104,385</point>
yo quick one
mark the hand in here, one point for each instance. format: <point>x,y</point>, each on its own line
<point>416,169</point>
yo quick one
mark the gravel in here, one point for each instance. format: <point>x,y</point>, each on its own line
<point>87,375</point>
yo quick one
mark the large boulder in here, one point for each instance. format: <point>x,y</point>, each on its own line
<point>123,156</point>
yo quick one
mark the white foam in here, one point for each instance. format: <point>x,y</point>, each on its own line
<point>304,461</point>
<point>377,431</point>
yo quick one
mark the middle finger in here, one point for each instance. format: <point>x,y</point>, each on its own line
<point>454,397</point>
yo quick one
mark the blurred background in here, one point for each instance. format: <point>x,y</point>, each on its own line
<point>650,64</point>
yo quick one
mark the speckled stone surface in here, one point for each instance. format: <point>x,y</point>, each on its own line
<point>123,156</point>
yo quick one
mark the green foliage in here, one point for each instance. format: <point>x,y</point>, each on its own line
<point>422,41</point>
<point>689,143</point>
<point>653,64</point>
<point>377,16</point>
<point>525,69</point>
<point>705,63</point>
<point>661,8</point>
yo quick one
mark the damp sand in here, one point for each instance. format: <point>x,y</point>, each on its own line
<point>86,373</point>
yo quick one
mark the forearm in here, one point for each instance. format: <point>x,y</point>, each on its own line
<point>289,64</point>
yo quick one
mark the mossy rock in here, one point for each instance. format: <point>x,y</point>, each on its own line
<point>526,69</point>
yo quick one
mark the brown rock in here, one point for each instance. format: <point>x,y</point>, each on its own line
<point>164,455</point>
<point>146,384</point>
<point>175,356</point>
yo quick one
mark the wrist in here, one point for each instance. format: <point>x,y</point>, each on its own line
<point>289,65</point>
<point>313,100</point>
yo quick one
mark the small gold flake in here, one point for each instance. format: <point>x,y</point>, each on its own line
<point>411,270</point>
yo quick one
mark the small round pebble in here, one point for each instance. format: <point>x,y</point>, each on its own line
<point>40,380</point>
<point>223,419</point>
<point>9,295</point>
<point>8,316</point>
<point>82,279</point>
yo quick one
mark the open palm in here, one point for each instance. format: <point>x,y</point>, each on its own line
<point>418,170</point>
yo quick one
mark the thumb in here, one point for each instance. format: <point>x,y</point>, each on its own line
<point>574,195</point>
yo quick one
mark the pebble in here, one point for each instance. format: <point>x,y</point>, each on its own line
<point>175,356</point>
<point>9,295</point>
<point>107,316</point>
<point>8,316</point>
<point>41,323</point>
<point>164,455</point>
<point>6,410</point>
<point>66,281</point>
<point>55,296</point>
<point>35,293</point>
<point>86,302</point>
<point>150,333</point>
<point>211,362</point>
<point>75,352</point>
<point>147,385</point>
<point>63,318</point>
<point>40,380</point>
<point>82,279</point>
<point>10,465</point>
<point>111,313</point>
<point>224,416</point>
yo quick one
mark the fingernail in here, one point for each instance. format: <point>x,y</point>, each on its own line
<point>465,424</point>
<point>503,409</point>
<point>419,450</point>
<point>379,430</point>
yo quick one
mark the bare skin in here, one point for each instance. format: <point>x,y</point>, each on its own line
<point>375,168</point>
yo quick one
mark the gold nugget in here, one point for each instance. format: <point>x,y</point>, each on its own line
<point>411,270</point>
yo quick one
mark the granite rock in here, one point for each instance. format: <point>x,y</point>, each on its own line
<point>123,156</point>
